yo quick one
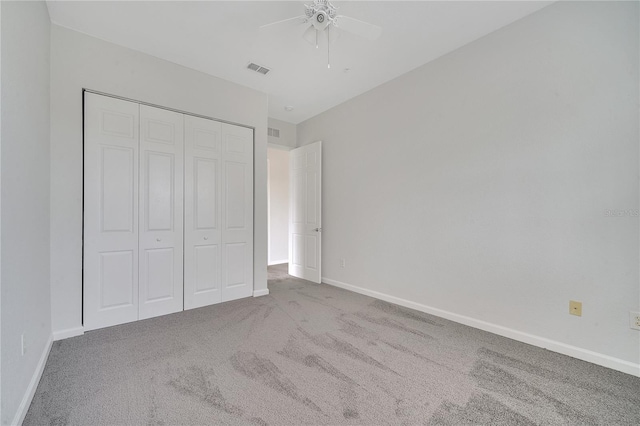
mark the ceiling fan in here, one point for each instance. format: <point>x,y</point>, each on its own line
<point>323,18</point>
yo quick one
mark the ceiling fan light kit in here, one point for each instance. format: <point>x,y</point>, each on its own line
<point>324,18</point>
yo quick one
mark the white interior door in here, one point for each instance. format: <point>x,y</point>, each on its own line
<point>305,228</point>
<point>236,183</point>
<point>110,261</point>
<point>161,221</point>
<point>202,233</point>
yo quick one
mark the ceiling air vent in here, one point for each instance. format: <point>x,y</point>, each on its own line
<point>257,68</point>
<point>274,132</point>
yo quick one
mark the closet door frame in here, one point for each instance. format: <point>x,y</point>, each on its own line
<point>251,184</point>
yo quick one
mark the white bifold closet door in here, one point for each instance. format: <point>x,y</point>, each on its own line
<point>168,212</point>
<point>160,208</point>
<point>110,266</point>
<point>237,212</point>
<point>218,258</point>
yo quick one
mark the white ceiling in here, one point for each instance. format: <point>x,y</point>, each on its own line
<point>221,37</point>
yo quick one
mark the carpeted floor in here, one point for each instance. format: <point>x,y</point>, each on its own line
<point>315,354</point>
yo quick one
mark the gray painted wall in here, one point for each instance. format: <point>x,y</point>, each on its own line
<point>479,184</point>
<point>26,298</point>
<point>287,133</point>
<point>80,61</point>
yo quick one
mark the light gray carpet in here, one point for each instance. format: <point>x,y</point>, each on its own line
<point>315,354</point>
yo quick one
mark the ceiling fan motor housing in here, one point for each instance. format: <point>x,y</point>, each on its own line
<point>321,20</point>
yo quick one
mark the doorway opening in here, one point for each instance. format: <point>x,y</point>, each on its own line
<point>278,205</point>
<point>294,204</point>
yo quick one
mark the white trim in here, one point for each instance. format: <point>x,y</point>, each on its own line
<point>263,292</point>
<point>280,147</point>
<point>278,262</point>
<point>179,111</point>
<point>33,385</point>
<point>66,333</point>
<point>552,345</point>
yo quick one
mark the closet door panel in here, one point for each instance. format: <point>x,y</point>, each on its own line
<point>110,249</point>
<point>207,267</point>
<point>205,188</point>
<point>116,188</point>
<point>160,272</point>
<point>202,263</point>
<point>159,190</point>
<point>117,283</point>
<point>161,212</point>
<point>235,199</point>
<point>237,214</point>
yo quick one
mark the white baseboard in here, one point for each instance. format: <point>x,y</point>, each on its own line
<point>263,292</point>
<point>552,345</point>
<point>33,385</point>
<point>277,262</point>
<point>69,332</point>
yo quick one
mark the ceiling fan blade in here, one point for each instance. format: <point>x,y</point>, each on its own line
<point>311,35</point>
<point>295,20</point>
<point>334,34</point>
<point>359,28</point>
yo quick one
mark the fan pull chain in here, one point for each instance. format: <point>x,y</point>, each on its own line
<point>328,44</point>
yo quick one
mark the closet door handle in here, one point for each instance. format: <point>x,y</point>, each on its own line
<point>158,239</point>
<point>206,238</point>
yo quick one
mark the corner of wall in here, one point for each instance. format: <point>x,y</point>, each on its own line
<point>25,403</point>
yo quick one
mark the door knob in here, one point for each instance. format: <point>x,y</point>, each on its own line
<point>318,229</point>
<point>158,239</point>
<point>206,238</point>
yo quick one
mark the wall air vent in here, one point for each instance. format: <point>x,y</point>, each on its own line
<point>274,132</point>
<point>258,68</point>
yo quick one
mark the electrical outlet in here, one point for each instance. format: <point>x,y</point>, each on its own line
<point>634,320</point>
<point>23,345</point>
<point>575,308</point>
<point>342,263</point>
